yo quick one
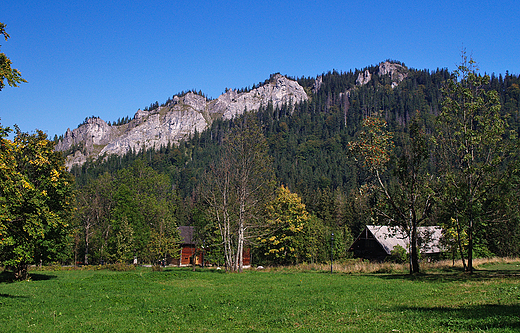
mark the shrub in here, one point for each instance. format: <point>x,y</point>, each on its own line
<point>120,267</point>
<point>157,268</point>
<point>398,255</point>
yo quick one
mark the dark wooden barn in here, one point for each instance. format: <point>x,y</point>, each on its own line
<point>377,242</point>
<point>188,248</point>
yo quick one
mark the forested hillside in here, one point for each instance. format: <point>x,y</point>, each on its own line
<point>308,148</point>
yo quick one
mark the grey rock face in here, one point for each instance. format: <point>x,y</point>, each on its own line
<point>363,78</point>
<point>280,90</point>
<point>397,73</point>
<point>173,122</point>
<point>157,130</point>
<point>93,132</point>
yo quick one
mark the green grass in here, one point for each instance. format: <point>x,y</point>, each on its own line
<point>208,300</point>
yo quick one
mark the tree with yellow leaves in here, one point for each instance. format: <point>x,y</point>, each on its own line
<point>36,201</point>
<point>284,239</point>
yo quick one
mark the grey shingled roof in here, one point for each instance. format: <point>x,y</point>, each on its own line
<point>187,234</point>
<point>389,237</point>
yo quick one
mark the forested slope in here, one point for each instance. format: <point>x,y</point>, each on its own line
<point>308,143</point>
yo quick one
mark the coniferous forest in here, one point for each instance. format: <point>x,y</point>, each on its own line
<point>130,205</point>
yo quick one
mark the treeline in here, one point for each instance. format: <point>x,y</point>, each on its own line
<point>127,214</point>
<point>308,143</point>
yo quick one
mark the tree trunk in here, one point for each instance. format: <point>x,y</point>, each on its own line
<point>469,268</point>
<point>414,253</point>
<point>240,248</point>
<point>461,249</point>
<point>21,271</point>
<point>194,260</point>
<point>241,230</point>
<point>86,245</point>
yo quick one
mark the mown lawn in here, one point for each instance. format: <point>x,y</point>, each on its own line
<point>208,300</point>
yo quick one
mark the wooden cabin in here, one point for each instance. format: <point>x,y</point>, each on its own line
<point>377,242</point>
<point>188,247</point>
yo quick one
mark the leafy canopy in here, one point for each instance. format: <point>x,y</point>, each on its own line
<point>36,201</point>
<point>11,75</point>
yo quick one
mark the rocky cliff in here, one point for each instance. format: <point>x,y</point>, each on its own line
<point>172,122</point>
<point>396,72</point>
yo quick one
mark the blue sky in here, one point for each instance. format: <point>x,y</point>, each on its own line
<point>110,58</point>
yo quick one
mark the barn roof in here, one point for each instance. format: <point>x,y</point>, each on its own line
<point>187,233</point>
<point>428,238</point>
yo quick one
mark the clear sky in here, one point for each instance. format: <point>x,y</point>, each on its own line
<point>110,58</point>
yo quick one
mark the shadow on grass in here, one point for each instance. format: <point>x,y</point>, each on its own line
<point>471,317</point>
<point>452,275</point>
<point>11,296</point>
<point>189,270</point>
<point>8,277</point>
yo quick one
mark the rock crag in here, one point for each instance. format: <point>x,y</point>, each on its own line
<point>172,122</point>
<point>396,72</point>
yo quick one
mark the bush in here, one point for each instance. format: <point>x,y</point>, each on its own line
<point>398,255</point>
<point>157,268</point>
<point>120,267</point>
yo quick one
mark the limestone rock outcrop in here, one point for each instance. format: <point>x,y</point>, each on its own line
<point>173,122</point>
<point>280,90</point>
<point>363,78</point>
<point>396,72</point>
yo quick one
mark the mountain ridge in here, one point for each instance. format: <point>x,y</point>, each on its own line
<point>184,115</point>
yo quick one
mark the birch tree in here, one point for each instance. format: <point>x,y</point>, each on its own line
<point>238,187</point>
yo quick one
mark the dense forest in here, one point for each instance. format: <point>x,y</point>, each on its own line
<point>126,203</point>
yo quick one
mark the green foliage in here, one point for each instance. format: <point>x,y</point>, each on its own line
<point>7,73</point>
<point>398,255</point>
<point>124,241</point>
<point>474,147</point>
<point>130,213</point>
<point>285,241</point>
<point>164,242</point>
<point>36,201</point>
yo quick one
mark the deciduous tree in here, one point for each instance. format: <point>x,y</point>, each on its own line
<point>474,142</point>
<point>239,186</point>
<point>408,198</point>
<point>36,201</point>
<point>284,240</point>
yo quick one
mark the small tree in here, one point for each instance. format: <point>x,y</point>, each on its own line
<point>164,241</point>
<point>287,217</point>
<point>124,241</point>
<point>398,255</point>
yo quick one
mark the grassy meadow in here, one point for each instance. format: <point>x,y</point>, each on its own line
<point>307,298</point>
